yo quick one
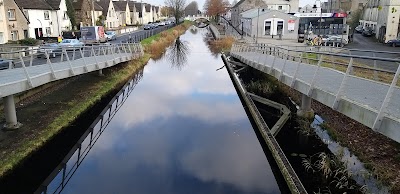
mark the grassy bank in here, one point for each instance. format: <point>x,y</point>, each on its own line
<point>45,118</point>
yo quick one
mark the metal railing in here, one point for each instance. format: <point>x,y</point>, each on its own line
<point>344,63</point>
<point>137,37</point>
<point>72,161</point>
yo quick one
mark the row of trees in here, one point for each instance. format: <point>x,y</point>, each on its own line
<point>176,8</point>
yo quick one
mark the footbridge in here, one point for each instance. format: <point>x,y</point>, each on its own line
<point>33,67</point>
<point>362,85</point>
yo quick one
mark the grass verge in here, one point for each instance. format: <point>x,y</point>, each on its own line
<point>30,139</point>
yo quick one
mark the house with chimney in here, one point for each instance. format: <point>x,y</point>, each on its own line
<point>13,23</point>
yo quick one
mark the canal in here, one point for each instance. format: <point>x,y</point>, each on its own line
<point>181,129</point>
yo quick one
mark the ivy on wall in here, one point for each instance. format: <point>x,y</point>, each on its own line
<point>71,13</point>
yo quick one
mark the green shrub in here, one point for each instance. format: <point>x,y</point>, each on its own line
<point>28,41</point>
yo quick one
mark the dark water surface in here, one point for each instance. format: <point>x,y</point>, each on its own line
<point>182,130</point>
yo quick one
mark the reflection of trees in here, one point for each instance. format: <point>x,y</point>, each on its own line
<point>193,30</point>
<point>178,53</point>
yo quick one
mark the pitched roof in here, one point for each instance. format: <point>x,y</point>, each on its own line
<point>238,3</point>
<point>33,4</point>
<point>252,13</point>
<point>157,8</point>
<point>148,7</point>
<point>131,5</point>
<point>138,7</point>
<point>55,4</point>
<point>120,5</point>
<point>104,4</point>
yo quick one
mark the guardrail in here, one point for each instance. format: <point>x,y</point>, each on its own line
<point>72,161</point>
<point>340,75</point>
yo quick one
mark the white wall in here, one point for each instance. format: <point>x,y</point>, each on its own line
<point>3,25</point>
<point>36,18</point>
<point>112,20</point>
<point>64,23</point>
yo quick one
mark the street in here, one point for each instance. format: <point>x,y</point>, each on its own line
<point>369,43</point>
<point>136,36</point>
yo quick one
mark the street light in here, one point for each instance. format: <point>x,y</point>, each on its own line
<point>258,18</point>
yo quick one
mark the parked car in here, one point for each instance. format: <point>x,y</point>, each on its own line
<point>71,44</point>
<point>52,50</point>
<point>5,64</point>
<point>161,24</point>
<point>111,35</point>
<point>359,29</point>
<point>394,42</point>
<point>148,27</point>
<point>368,31</point>
<point>334,41</point>
<point>155,25</point>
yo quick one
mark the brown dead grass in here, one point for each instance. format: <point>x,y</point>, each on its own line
<point>223,44</point>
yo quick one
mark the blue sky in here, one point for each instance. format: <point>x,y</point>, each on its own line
<point>201,2</point>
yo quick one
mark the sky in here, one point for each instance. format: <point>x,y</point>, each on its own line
<point>201,2</point>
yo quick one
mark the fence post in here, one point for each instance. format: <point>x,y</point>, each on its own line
<point>69,62</point>
<point>342,85</point>
<point>375,67</point>
<point>315,76</point>
<point>28,78</point>
<point>83,58</point>
<point>283,68</point>
<point>382,110</point>
<point>49,62</point>
<point>296,71</point>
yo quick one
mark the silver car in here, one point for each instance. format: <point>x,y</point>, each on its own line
<point>71,44</point>
<point>111,35</point>
<point>6,64</point>
<point>52,50</point>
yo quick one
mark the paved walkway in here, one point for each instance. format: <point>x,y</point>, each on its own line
<point>13,81</point>
<point>361,100</point>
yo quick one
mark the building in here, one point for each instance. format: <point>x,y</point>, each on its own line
<point>265,23</point>
<point>83,12</point>
<point>383,16</point>
<point>244,5</point>
<point>348,6</point>
<point>309,9</point>
<point>123,12</point>
<point>13,23</point>
<point>40,16</point>
<point>110,14</point>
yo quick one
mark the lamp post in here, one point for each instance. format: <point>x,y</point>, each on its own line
<point>93,17</point>
<point>258,18</point>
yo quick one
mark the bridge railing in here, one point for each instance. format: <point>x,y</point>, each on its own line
<point>47,55</point>
<point>346,65</point>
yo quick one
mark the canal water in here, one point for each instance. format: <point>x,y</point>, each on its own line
<point>182,129</point>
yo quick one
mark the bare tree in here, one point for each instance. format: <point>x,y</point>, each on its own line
<point>192,8</point>
<point>165,11</point>
<point>178,8</point>
<point>216,7</point>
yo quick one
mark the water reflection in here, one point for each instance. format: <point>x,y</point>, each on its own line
<point>178,53</point>
<point>178,132</point>
<point>193,30</point>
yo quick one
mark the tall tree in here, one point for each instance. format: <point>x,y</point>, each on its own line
<point>192,8</point>
<point>165,11</point>
<point>71,13</point>
<point>216,7</point>
<point>178,8</point>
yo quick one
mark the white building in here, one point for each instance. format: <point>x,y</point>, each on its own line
<point>383,16</point>
<point>112,20</point>
<point>13,23</point>
<point>310,9</point>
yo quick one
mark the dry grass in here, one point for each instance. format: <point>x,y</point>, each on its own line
<point>223,44</point>
<point>157,45</point>
<point>358,70</point>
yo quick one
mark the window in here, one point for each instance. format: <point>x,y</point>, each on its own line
<point>280,7</point>
<point>46,15</point>
<point>48,31</point>
<point>26,35</point>
<point>14,35</point>
<point>65,16</point>
<point>267,27</point>
<point>1,38</point>
<point>11,14</point>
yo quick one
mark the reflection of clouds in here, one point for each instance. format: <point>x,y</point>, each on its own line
<point>178,132</point>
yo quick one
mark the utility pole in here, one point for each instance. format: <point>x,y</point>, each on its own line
<point>93,17</point>
<point>258,18</point>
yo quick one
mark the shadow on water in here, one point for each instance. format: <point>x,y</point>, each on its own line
<point>61,175</point>
<point>177,54</point>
